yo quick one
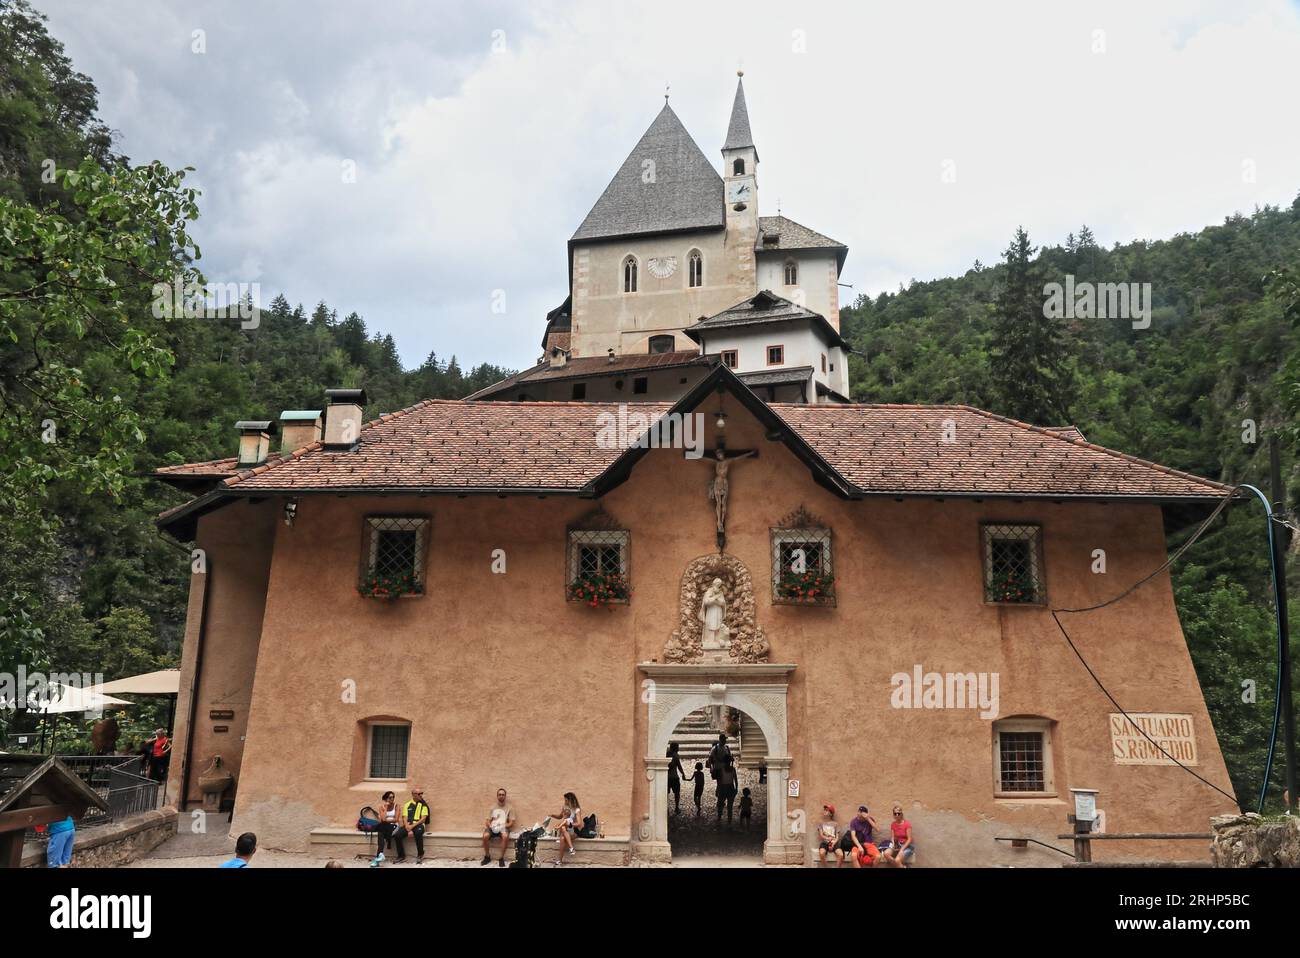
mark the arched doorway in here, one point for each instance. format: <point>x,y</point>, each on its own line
<point>706,822</point>
<point>758,690</point>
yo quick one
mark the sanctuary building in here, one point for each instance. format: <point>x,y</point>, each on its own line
<point>480,593</point>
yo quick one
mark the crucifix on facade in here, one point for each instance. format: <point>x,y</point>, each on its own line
<point>719,486</point>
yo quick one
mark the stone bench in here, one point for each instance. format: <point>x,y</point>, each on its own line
<point>466,846</point>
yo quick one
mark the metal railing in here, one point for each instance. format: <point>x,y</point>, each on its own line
<point>119,780</point>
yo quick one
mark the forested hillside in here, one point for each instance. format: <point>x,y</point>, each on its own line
<point>95,390</point>
<point>1219,355</point>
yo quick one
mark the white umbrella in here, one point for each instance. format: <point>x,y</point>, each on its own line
<point>162,682</point>
<point>68,698</point>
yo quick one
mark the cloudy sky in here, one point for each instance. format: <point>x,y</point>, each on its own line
<point>481,133</point>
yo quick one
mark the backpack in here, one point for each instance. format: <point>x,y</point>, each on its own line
<point>526,847</point>
<point>368,820</point>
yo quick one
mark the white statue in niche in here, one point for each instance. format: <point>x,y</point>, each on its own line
<point>713,612</point>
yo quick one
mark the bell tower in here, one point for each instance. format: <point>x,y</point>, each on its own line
<point>740,166</point>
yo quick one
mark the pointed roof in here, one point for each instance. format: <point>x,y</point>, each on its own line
<point>685,192</point>
<point>739,136</point>
<point>766,307</point>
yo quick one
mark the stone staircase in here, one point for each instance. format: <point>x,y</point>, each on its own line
<point>694,736</point>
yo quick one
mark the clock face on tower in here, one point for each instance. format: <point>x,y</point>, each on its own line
<point>741,190</point>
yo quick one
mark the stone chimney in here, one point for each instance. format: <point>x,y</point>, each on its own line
<point>298,428</point>
<point>344,417</point>
<point>254,441</point>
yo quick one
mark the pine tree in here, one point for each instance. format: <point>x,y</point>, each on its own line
<point>1029,374</point>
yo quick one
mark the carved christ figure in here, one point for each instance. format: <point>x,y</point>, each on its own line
<point>713,613</point>
<point>718,487</point>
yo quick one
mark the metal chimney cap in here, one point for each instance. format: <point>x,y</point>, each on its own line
<point>256,425</point>
<point>300,415</point>
<point>339,396</point>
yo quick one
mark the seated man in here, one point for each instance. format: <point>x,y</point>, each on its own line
<point>856,844</point>
<point>496,827</point>
<point>415,816</point>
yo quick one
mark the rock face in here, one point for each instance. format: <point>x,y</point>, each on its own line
<point>1251,841</point>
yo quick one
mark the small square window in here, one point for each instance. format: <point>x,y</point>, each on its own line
<point>801,567</point>
<point>775,355</point>
<point>389,745</point>
<point>579,391</point>
<point>598,566</point>
<point>393,558</point>
<point>1022,758</point>
<point>640,384</point>
<point>1012,564</point>
<point>730,358</point>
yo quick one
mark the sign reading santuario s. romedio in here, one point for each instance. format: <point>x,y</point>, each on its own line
<point>1171,732</point>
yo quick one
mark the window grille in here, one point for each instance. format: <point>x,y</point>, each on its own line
<point>394,554</point>
<point>1021,765</point>
<point>598,557</point>
<point>1012,564</point>
<point>802,573</point>
<point>695,269</point>
<point>388,749</point>
<point>629,275</point>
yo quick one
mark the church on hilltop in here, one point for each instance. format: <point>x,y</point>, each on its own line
<point>674,270</point>
<point>859,599</point>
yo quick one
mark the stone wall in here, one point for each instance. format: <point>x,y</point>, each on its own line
<point>114,844</point>
<point>1251,841</point>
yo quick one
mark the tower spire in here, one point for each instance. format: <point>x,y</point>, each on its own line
<point>739,136</point>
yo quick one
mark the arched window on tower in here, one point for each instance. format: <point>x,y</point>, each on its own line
<point>629,275</point>
<point>694,269</point>
<point>738,168</point>
<point>791,273</point>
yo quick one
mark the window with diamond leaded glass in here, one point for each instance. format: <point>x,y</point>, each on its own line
<point>393,558</point>
<point>1013,572</point>
<point>598,566</point>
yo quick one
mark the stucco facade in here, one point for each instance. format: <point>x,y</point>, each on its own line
<point>505,683</point>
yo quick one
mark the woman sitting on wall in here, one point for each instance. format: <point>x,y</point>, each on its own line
<point>387,823</point>
<point>569,821</point>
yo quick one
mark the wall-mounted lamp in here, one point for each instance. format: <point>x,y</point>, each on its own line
<point>290,511</point>
<point>721,422</point>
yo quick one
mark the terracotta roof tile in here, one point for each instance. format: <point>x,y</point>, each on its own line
<point>893,448</point>
<point>879,449</point>
<point>448,444</point>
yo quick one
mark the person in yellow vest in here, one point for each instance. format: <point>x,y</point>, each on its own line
<point>415,816</point>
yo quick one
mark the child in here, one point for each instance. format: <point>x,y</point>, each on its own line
<point>698,779</point>
<point>746,808</point>
<point>828,836</point>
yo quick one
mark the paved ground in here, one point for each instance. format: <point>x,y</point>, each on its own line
<point>213,848</point>
<point>704,835</point>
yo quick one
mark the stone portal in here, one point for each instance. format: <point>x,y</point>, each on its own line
<point>757,689</point>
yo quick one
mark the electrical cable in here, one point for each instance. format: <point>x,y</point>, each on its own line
<point>1223,503</point>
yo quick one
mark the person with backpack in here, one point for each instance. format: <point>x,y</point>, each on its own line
<point>415,816</point>
<point>719,755</point>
